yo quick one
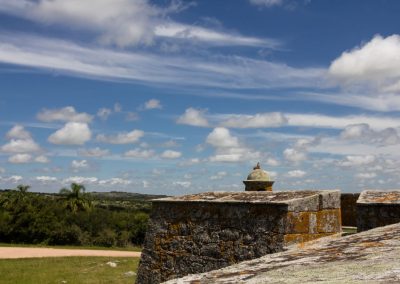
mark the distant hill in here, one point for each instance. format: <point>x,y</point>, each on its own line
<point>120,195</point>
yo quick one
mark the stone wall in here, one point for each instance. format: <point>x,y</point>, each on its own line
<point>203,232</point>
<point>377,208</point>
<point>348,205</point>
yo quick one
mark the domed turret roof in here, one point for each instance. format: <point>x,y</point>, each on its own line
<point>258,174</point>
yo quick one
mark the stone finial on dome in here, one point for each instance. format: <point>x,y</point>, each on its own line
<point>258,180</point>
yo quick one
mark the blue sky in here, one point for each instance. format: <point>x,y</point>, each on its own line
<point>177,97</point>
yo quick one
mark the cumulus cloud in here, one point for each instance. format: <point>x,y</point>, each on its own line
<point>66,114</point>
<point>153,104</point>
<point>139,153</point>
<point>73,133</point>
<point>228,147</point>
<point>12,179</point>
<point>46,179</point>
<point>20,158</point>
<point>357,160</point>
<point>170,154</point>
<point>42,159</point>
<point>78,165</point>
<point>104,113</point>
<point>81,180</point>
<point>18,132</point>
<point>20,146</point>
<point>115,181</point>
<point>221,137</point>
<point>122,138</point>
<point>375,63</point>
<point>294,155</point>
<point>259,120</point>
<point>194,117</point>
<point>296,174</point>
<point>363,133</point>
<point>94,152</point>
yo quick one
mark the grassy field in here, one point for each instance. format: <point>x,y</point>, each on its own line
<point>129,248</point>
<point>65,270</point>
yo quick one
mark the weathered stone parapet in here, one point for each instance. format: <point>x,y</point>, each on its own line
<point>376,208</point>
<point>368,257</point>
<point>202,232</point>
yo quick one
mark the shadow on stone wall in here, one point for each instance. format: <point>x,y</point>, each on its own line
<point>348,204</point>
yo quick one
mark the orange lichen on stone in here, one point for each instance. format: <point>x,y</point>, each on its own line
<point>328,221</point>
<point>298,222</point>
<point>290,239</point>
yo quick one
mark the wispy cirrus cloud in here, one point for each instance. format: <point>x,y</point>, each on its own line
<point>180,70</point>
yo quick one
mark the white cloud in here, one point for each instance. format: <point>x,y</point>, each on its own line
<point>122,138</point>
<point>219,175</point>
<point>73,133</point>
<point>20,146</point>
<point>2,170</point>
<point>366,175</point>
<point>296,174</point>
<point>94,152</point>
<point>375,63</point>
<point>46,179</point>
<point>81,180</point>
<point>266,3</point>
<point>139,153</point>
<point>42,159</point>
<point>194,117</point>
<point>124,22</point>
<point>340,122</point>
<point>20,158</point>
<point>115,181</point>
<point>228,148</point>
<point>104,113</point>
<point>78,165</point>
<point>170,154</point>
<point>272,162</point>
<point>12,179</point>
<point>212,37</point>
<point>182,69</point>
<point>18,132</point>
<point>259,120</point>
<point>221,137</point>
<point>363,133</point>
<point>153,104</point>
<point>294,155</point>
<point>66,114</point>
<point>360,160</point>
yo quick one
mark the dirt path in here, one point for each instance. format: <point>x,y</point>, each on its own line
<point>21,252</point>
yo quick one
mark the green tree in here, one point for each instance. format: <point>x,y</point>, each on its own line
<point>76,199</point>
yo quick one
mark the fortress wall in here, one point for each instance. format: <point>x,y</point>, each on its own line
<point>348,204</point>
<point>377,208</point>
<point>199,233</point>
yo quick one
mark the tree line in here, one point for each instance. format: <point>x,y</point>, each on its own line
<point>70,218</point>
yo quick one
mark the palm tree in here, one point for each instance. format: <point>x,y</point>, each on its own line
<point>16,198</point>
<point>75,198</point>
